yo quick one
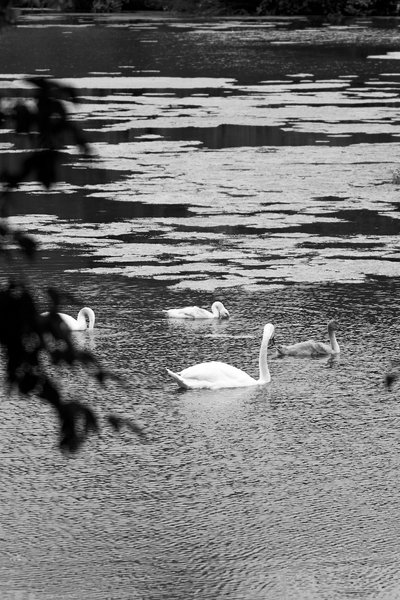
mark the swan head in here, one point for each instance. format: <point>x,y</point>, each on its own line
<point>332,325</point>
<point>269,333</point>
<point>219,308</point>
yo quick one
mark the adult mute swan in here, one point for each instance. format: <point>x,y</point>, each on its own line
<point>312,348</point>
<point>215,375</point>
<point>80,323</point>
<point>218,311</point>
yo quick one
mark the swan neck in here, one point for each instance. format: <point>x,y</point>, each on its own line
<point>87,313</point>
<point>265,375</point>
<point>333,340</point>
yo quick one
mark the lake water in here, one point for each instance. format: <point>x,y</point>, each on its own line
<point>249,161</point>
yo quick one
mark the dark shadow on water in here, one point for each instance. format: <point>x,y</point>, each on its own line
<point>352,222</point>
<point>236,136</point>
<point>92,209</point>
<point>347,244</point>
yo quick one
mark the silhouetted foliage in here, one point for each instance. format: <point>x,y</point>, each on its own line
<point>280,7</point>
<point>327,8</point>
<point>35,345</point>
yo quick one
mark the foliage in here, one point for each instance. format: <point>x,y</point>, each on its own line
<point>8,14</point>
<point>217,7</point>
<point>279,7</point>
<point>107,5</point>
<point>58,5</point>
<point>35,347</point>
<point>327,7</point>
<point>213,7</point>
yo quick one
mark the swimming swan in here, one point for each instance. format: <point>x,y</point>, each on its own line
<point>215,375</point>
<point>218,311</point>
<point>79,324</point>
<point>312,348</point>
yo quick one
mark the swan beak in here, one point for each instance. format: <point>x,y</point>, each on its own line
<point>271,342</point>
<point>225,314</point>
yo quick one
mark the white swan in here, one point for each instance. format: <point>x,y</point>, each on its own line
<point>312,348</point>
<point>215,375</point>
<point>218,311</point>
<point>79,324</point>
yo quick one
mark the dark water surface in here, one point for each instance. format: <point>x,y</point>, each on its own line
<point>249,161</point>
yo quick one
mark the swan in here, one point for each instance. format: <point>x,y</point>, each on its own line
<point>312,348</point>
<point>80,323</point>
<point>218,311</point>
<point>215,375</point>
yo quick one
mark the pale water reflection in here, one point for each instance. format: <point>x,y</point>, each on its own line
<point>242,153</point>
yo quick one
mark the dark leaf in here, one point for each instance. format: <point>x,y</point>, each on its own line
<point>46,163</point>
<point>24,119</point>
<point>102,375</point>
<point>85,357</point>
<point>49,393</point>
<point>117,423</point>
<point>26,243</point>
<point>77,422</point>
<point>28,383</point>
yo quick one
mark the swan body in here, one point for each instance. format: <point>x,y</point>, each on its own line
<point>218,311</point>
<point>80,323</point>
<point>215,375</point>
<point>312,348</point>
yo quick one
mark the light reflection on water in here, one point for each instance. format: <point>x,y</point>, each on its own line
<point>240,155</point>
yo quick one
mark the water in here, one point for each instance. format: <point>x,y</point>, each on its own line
<point>275,198</point>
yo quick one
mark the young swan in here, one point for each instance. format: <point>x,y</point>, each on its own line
<point>218,311</point>
<point>79,324</point>
<point>312,348</point>
<point>215,375</point>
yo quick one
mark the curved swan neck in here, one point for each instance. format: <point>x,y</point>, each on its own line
<point>333,340</point>
<point>265,375</point>
<point>215,309</point>
<point>87,312</point>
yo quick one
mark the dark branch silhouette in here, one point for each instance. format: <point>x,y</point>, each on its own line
<point>34,345</point>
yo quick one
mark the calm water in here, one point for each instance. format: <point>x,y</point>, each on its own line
<point>250,161</point>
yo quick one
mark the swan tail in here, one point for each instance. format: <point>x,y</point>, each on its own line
<point>178,379</point>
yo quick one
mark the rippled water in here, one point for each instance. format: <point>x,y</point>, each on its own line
<point>226,153</point>
<point>249,161</point>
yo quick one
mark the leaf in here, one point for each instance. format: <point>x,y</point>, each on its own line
<point>102,375</point>
<point>117,423</point>
<point>49,393</point>
<point>26,243</point>
<point>28,383</point>
<point>77,422</point>
<point>24,118</point>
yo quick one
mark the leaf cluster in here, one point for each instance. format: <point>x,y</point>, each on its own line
<point>36,345</point>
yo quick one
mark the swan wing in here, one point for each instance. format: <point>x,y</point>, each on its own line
<point>212,375</point>
<point>188,312</point>
<point>72,323</point>
<point>308,348</point>
<point>69,321</point>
